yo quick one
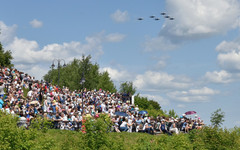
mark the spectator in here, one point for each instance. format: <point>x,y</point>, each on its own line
<point>163,128</point>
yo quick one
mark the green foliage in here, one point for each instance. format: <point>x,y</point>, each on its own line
<point>97,132</point>
<point>215,138</point>
<point>153,107</point>
<point>104,82</point>
<point>97,137</point>
<point>217,118</point>
<point>128,88</point>
<point>13,137</point>
<point>172,113</point>
<point>72,74</point>
<point>142,102</point>
<point>41,124</point>
<point>5,57</point>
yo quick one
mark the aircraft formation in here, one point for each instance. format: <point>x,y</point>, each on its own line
<point>157,18</point>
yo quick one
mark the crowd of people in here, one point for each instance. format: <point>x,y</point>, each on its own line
<point>67,109</point>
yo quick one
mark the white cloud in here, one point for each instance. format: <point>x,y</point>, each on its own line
<point>230,61</point>
<point>117,75</point>
<point>120,16</point>
<point>219,77</point>
<point>203,91</point>
<point>202,18</point>
<point>7,33</point>
<point>193,95</point>
<point>229,55</point>
<point>28,53</point>
<point>35,70</point>
<point>156,81</point>
<point>225,46</point>
<point>195,19</point>
<point>36,23</point>
<point>162,101</point>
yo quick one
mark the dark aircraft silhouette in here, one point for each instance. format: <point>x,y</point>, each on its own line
<point>167,16</point>
<point>140,18</point>
<point>163,13</point>
<point>157,19</point>
<point>152,16</point>
<point>171,18</point>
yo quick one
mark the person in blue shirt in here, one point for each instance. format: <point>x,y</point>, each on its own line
<point>163,128</point>
<point>1,102</point>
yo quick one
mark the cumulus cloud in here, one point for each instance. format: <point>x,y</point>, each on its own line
<point>230,46</point>
<point>36,23</point>
<point>218,77</point>
<point>120,16</point>
<point>230,61</point>
<point>198,19</point>
<point>117,75</point>
<point>193,95</point>
<point>28,54</point>
<point>7,33</point>
<point>229,55</point>
<point>156,81</point>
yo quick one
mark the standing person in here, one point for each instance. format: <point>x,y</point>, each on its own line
<point>1,102</point>
<point>2,89</point>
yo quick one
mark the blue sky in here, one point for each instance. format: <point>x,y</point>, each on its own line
<point>189,63</point>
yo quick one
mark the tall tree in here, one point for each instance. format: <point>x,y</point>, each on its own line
<point>128,88</point>
<point>217,118</point>
<point>106,83</point>
<point>5,57</point>
<point>172,113</point>
<point>75,71</point>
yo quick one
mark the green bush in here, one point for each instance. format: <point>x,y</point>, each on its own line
<point>97,136</point>
<point>13,137</point>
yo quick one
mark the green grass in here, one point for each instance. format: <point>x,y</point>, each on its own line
<point>222,139</point>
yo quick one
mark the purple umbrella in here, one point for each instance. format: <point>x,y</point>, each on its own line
<point>190,112</point>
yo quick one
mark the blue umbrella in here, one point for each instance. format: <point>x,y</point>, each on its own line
<point>142,112</point>
<point>118,113</point>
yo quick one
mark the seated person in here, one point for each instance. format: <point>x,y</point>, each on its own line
<point>163,128</point>
<point>149,128</point>
<point>124,125</point>
<point>173,128</point>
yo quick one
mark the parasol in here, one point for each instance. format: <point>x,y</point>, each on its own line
<point>142,112</point>
<point>190,112</point>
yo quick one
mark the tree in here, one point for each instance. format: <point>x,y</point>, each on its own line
<point>145,103</point>
<point>71,75</point>
<point>217,118</point>
<point>5,57</point>
<point>105,82</point>
<point>128,88</point>
<point>172,113</point>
